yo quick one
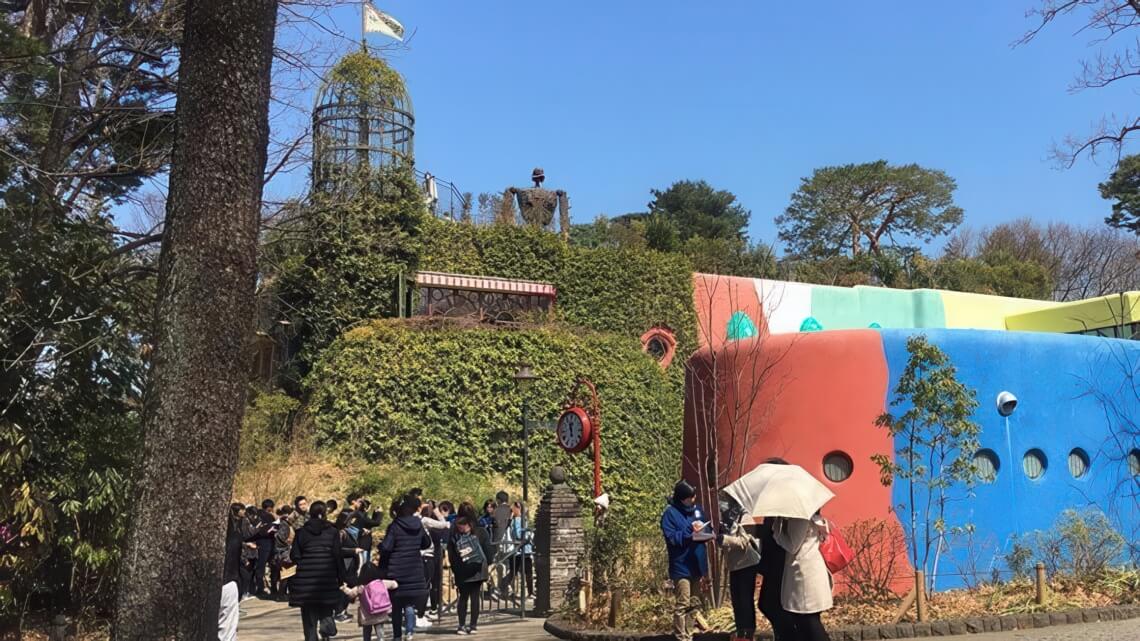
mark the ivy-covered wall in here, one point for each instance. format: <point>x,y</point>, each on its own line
<point>625,291</point>
<point>434,394</point>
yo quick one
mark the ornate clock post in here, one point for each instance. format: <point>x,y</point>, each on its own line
<point>580,426</point>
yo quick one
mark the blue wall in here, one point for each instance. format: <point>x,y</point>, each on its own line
<point>1068,388</point>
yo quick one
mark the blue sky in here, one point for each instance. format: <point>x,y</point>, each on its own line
<point>615,98</point>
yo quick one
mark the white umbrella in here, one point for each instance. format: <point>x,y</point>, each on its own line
<point>779,490</point>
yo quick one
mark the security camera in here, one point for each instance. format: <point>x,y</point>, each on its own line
<point>1006,403</point>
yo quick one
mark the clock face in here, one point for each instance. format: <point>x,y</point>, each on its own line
<point>570,430</point>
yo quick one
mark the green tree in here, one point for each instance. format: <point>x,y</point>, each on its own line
<point>336,262</point>
<point>696,209</point>
<point>935,444</point>
<point>661,233</point>
<point>852,209</point>
<point>730,257</point>
<point>73,313</point>
<point>997,273</point>
<point>85,118</point>
<point>591,235</point>
<point>170,586</point>
<point>1123,186</point>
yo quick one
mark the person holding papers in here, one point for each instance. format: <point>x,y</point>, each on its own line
<point>685,528</point>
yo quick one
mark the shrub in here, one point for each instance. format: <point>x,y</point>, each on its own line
<point>1019,560</point>
<point>438,396</point>
<point>267,425</point>
<point>880,557</point>
<point>1082,544</point>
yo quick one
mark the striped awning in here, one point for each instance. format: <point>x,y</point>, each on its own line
<point>485,284</point>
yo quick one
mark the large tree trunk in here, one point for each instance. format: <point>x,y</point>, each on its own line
<point>170,585</point>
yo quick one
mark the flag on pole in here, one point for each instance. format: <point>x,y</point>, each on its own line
<point>376,21</point>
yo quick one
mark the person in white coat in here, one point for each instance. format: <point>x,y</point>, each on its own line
<point>806,588</point>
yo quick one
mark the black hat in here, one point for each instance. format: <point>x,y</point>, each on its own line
<point>682,490</point>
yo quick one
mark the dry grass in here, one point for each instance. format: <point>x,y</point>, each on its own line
<point>651,610</point>
<point>283,479</point>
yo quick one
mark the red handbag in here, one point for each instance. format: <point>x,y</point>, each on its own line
<point>837,555</point>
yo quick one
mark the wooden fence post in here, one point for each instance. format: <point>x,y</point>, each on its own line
<point>1040,583</point>
<point>920,593</point>
<point>615,606</point>
<point>905,605</point>
<point>58,628</point>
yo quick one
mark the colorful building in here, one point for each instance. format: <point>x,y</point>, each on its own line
<point>823,366</point>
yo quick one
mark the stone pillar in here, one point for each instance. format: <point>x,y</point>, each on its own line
<point>560,544</point>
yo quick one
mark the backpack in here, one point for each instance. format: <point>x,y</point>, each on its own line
<point>374,598</point>
<point>837,555</point>
<point>469,549</point>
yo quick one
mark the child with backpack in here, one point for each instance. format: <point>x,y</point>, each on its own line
<point>375,607</point>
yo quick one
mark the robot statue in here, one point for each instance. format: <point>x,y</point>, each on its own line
<point>537,205</point>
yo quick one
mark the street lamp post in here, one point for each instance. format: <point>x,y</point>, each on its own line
<point>523,378</point>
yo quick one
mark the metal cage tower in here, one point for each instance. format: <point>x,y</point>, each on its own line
<point>363,121</point>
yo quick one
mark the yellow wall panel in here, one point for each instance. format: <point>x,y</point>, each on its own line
<point>979,311</point>
<point>1077,316</point>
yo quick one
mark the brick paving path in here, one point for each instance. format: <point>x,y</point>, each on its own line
<point>270,621</point>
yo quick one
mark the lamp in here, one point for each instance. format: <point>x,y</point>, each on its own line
<point>523,379</point>
<point>524,376</point>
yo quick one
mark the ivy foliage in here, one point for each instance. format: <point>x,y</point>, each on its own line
<point>369,77</point>
<point>611,289</point>
<point>435,395</point>
<point>337,260</point>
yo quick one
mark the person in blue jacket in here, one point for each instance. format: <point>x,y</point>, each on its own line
<point>688,562</point>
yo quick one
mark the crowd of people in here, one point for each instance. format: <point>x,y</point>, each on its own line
<point>321,560</point>
<point>795,587</point>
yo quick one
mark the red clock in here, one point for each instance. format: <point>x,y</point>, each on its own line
<point>575,429</point>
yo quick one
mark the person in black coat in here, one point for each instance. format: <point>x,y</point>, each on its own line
<point>266,531</point>
<point>470,572</point>
<point>439,544</point>
<point>315,588</point>
<point>364,525</point>
<point>400,561</point>
<point>771,570</point>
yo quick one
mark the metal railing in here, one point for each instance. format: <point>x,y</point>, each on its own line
<point>443,198</point>
<point>495,603</point>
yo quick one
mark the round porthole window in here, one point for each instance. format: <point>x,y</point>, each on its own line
<point>1134,462</point>
<point>1078,463</point>
<point>987,463</point>
<point>660,344</point>
<point>837,467</point>
<point>1034,463</point>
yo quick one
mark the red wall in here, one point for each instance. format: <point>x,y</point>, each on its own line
<point>797,396</point>
<point>716,298</point>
